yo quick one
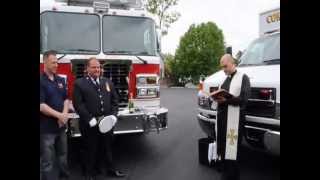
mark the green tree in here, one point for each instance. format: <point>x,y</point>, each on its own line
<point>199,51</point>
<point>168,60</point>
<point>169,64</point>
<point>161,8</point>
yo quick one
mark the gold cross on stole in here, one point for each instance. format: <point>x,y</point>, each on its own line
<point>232,136</point>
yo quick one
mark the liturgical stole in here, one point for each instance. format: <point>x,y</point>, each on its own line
<point>233,118</point>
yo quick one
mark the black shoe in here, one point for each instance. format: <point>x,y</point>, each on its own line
<point>116,173</point>
<point>64,175</point>
<point>218,166</point>
<point>90,178</point>
<point>98,172</point>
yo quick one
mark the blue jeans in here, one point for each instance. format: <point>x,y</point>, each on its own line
<point>53,147</point>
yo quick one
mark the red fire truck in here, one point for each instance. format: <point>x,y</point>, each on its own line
<point>122,35</point>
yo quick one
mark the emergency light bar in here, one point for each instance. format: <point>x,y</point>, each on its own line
<point>114,4</point>
<point>101,6</point>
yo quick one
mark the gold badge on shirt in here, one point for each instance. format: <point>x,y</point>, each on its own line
<point>107,87</point>
<point>60,85</point>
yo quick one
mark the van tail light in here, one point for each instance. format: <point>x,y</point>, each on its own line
<point>266,94</point>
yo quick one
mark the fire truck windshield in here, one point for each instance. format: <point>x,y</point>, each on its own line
<point>129,35</point>
<point>70,33</point>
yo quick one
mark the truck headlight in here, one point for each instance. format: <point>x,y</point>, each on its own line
<point>151,92</point>
<point>204,101</point>
<point>143,79</point>
<point>142,92</point>
<point>148,86</point>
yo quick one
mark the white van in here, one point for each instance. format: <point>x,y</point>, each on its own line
<point>261,62</point>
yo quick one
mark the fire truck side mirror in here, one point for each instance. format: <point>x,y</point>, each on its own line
<point>158,47</point>
<point>229,50</point>
<point>158,43</point>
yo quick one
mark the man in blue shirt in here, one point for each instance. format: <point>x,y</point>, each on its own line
<point>53,118</point>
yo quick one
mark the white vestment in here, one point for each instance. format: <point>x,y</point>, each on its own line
<point>233,118</point>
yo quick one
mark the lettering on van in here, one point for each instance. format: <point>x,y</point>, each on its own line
<point>273,18</point>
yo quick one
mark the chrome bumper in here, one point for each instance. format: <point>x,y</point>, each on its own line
<point>203,115</point>
<point>143,120</point>
<point>270,140</point>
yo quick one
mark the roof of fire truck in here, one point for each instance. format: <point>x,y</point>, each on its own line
<point>52,5</point>
<point>62,6</point>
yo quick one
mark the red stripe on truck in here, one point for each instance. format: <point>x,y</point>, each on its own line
<point>65,68</point>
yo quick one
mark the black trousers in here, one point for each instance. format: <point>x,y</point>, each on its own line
<point>230,170</point>
<point>98,150</point>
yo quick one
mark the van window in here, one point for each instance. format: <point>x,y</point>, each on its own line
<point>262,51</point>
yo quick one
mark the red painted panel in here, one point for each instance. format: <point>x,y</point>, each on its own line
<point>65,68</point>
<point>141,69</point>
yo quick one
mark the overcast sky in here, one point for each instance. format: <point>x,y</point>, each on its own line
<point>238,19</point>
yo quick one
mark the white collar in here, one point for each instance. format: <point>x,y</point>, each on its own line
<point>97,80</point>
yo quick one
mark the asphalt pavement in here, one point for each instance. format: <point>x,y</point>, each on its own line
<point>173,154</point>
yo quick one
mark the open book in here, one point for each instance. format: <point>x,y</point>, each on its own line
<point>221,93</point>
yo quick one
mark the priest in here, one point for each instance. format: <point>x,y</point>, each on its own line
<point>230,117</point>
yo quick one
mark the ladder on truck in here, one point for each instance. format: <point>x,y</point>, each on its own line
<point>114,4</point>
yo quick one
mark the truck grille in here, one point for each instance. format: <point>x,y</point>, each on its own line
<point>259,106</point>
<point>78,70</point>
<point>115,70</point>
<point>118,73</point>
